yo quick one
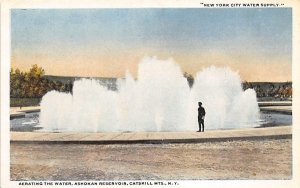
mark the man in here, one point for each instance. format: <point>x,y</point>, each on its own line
<point>201,115</point>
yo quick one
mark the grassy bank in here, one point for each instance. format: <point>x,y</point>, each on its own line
<point>17,102</point>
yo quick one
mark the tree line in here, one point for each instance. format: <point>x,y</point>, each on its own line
<point>277,91</point>
<point>32,84</point>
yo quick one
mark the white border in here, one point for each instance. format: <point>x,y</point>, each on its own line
<point>5,67</point>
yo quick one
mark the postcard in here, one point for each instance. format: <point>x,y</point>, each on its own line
<point>144,93</point>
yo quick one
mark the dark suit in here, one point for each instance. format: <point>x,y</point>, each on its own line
<point>201,114</point>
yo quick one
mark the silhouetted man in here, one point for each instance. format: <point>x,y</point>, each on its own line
<point>201,115</point>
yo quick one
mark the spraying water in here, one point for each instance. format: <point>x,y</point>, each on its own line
<point>159,100</point>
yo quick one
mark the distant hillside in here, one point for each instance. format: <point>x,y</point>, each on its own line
<point>110,83</point>
<point>65,79</point>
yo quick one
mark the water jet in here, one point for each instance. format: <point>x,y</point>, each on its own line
<point>160,99</point>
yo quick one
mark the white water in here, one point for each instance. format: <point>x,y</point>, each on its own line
<point>159,100</point>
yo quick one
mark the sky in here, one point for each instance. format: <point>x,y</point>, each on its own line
<point>106,42</point>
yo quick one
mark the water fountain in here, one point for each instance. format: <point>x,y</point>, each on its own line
<point>160,99</point>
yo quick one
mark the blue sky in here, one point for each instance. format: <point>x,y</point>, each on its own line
<point>51,36</point>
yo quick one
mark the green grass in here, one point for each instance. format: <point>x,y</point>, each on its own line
<point>17,102</point>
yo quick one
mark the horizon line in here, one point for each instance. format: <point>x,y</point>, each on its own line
<point>91,77</point>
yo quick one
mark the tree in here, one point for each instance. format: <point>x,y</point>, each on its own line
<point>189,78</point>
<point>36,71</point>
